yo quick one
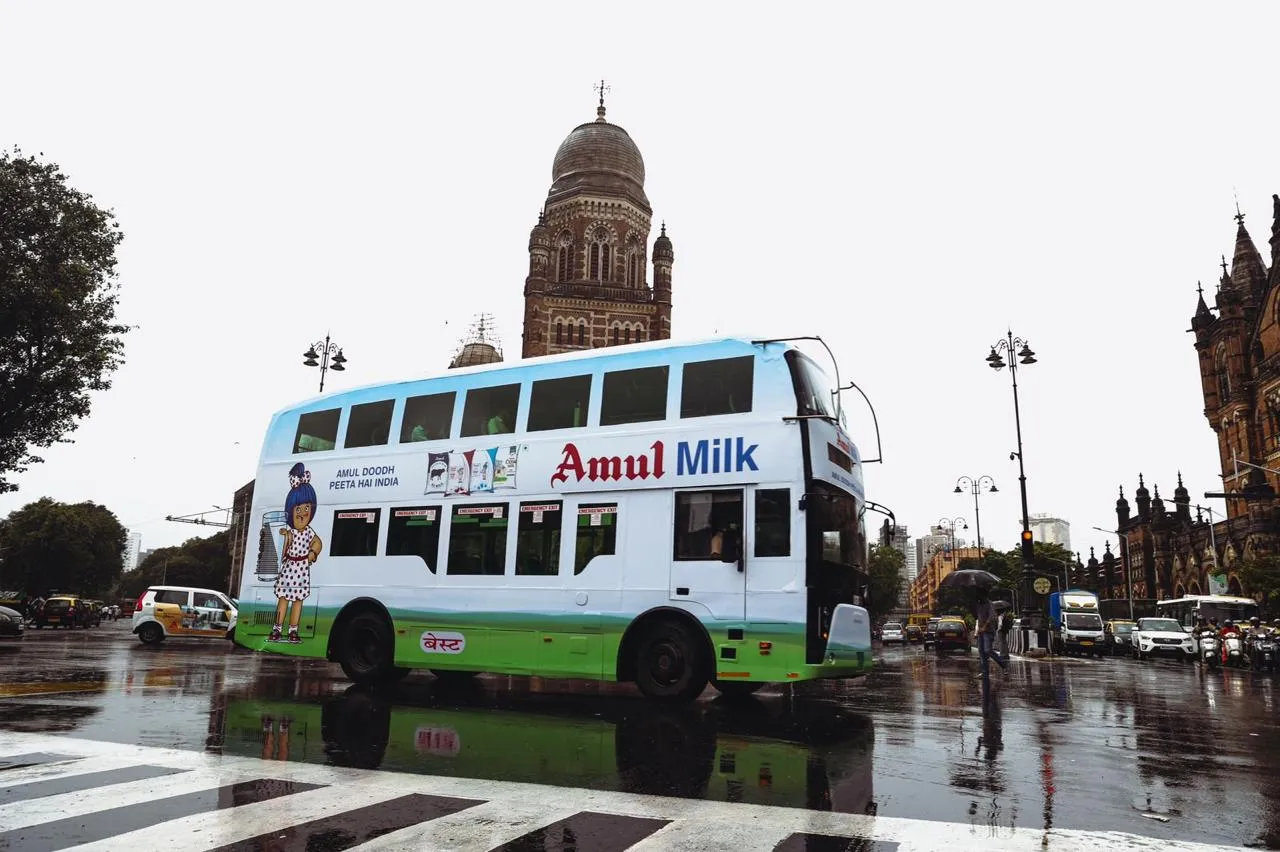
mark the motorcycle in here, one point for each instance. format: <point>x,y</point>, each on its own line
<point>1233,650</point>
<point>1262,652</point>
<point>1209,648</point>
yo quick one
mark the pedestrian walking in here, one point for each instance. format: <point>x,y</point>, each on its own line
<point>987,622</point>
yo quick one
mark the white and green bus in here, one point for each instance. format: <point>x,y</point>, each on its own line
<point>663,513</point>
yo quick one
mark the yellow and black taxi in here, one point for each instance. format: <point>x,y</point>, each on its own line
<point>63,611</point>
<point>1118,638</point>
<point>952,632</point>
<point>165,611</point>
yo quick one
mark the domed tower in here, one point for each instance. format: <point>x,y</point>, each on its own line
<point>587,283</point>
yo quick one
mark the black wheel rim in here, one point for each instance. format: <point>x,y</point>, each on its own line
<point>668,666</point>
<point>366,649</point>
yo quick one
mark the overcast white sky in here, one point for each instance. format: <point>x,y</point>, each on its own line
<point>907,180</point>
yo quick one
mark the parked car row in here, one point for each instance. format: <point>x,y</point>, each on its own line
<point>69,611</point>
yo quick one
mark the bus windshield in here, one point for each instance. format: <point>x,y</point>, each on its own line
<point>813,389</point>
<point>834,526</point>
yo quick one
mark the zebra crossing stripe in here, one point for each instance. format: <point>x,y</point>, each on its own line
<point>74,830</point>
<point>19,761</point>
<point>220,803</point>
<point>586,831</point>
<point>351,828</point>
<point>83,781</point>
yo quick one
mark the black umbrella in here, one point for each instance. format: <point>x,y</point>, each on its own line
<point>1001,606</point>
<point>970,578</point>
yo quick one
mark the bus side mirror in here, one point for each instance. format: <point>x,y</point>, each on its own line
<point>731,550</point>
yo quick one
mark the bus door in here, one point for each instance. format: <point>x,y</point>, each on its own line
<point>704,521</point>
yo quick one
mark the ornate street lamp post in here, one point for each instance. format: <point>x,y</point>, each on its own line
<point>330,358</point>
<point>976,486</point>
<point>1019,353</point>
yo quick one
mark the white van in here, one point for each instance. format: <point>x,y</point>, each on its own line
<point>164,611</point>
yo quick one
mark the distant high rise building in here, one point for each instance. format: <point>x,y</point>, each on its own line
<point>899,539</point>
<point>132,550</point>
<point>1051,530</point>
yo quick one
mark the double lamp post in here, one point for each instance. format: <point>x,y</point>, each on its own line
<point>1019,354</point>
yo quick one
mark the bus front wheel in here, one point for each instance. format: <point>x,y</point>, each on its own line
<point>669,663</point>
<point>367,650</point>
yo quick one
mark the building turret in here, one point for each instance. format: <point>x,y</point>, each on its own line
<point>1122,510</point>
<point>663,257</point>
<point>1157,505</point>
<point>1108,572</point>
<point>1092,571</point>
<point>1275,233</point>
<point>539,256</point>
<point>1182,502</point>
<point>1143,498</point>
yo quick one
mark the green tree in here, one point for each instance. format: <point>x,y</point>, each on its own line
<point>59,340</point>
<point>1262,574</point>
<point>884,580</point>
<point>201,562</point>
<point>47,545</point>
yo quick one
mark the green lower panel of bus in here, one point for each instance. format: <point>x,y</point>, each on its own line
<point>561,645</point>
<point>815,757</point>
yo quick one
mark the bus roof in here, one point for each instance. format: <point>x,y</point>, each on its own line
<point>1212,598</point>
<point>711,347</point>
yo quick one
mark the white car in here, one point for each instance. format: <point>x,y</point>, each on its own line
<point>164,611</point>
<point>1162,637</point>
<point>892,632</point>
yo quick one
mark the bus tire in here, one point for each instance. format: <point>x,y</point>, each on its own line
<point>366,649</point>
<point>736,689</point>
<point>151,633</point>
<point>671,663</point>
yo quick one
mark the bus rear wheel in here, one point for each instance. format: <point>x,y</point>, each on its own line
<point>670,665</point>
<point>366,650</point>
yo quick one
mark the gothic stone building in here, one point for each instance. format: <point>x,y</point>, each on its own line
<point>1238,343</point>
<point>587,283</point>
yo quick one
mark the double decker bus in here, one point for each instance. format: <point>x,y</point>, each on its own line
<point>663,513</point>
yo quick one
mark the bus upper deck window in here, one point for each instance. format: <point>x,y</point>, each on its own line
<point>369,424</point>
<point>634,396</point>
<point>559,403</point>
<point>427,418</point>
<point>722,386</point>
<point>490,411</point>
<point>317,431</point>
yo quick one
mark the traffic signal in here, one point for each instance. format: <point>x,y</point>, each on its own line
<point>1028,550</point>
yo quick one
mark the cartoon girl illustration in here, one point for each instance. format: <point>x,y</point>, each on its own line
<point>301,548</point>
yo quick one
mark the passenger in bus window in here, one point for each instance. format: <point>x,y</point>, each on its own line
<point>419,433</point>
<point>301,549</point>
<point>498,423</point>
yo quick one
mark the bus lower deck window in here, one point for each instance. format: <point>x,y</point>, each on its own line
<point>538,539</point>
<point>355,532</point>
<point>415,531</point>
<point>597,533</point>
<point>478,540</point>
<point>773,522</point>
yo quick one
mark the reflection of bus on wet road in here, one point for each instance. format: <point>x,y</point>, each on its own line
<point>668,514</point>
<point>816,757</point>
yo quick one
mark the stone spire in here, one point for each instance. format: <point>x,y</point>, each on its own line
<point>1248,272</point>
<point>1108,571</point>
<point>1203,316</point>
<point>1275,233</point>
<point>1157,505</point>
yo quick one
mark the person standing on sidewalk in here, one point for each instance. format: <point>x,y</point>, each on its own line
<point>987,622</point>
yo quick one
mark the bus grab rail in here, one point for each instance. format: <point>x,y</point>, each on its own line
<point>879,459</point>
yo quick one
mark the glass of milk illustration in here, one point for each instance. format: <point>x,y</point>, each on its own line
<point>268,550</point>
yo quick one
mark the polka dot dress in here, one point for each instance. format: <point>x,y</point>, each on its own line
<point>294,581</point>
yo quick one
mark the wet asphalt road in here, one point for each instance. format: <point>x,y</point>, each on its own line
<point>1159,748</point>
